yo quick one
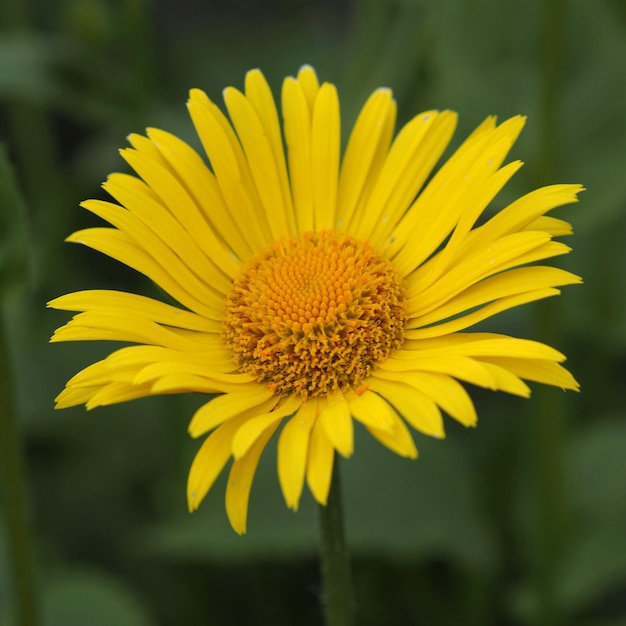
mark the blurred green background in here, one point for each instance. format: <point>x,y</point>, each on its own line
<point>521,521</point>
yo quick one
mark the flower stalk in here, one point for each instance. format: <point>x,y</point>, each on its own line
<point>20,557</point>
<point>335,561</point>
<point>548,420</point>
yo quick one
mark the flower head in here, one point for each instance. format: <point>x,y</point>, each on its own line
<point>315,290</point>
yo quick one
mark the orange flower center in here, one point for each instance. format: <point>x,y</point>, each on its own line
<point>313,314</point>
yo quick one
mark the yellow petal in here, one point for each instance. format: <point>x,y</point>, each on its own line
<point>507,381</point>
<point>181,205</point>
<point>463,368</point>
<point>337,422</point>
<point>208,416</point>
<point>370,409</point>
<point>485,345</point>
<point>129,302</point>
<point>297,126</point>
<point>141,200</point>
<point>209,462</point>
<point>228,406</point>
<point>438,208</point>
<point>551,225</point>
<point>444,390</point>
<point>486,126</point>
<point>523,212</point>
<point>293,445</point>
<point>320,464</point>
<point>501,255</point>
<point>143,144</point>
<point>430,271</point>
<point>413,154</point>
<point>545,251</point>
<point>260,95</point>
<point>503,285</point>
<point>399,440</point>
<point>100,373</point>
<point>453,284</point>
<point>261,160</point>
<point>105,324</point>
<point>202,185</point>
<point>240,482</point>
<point>415,407</point>
<point>210,369</point>
<point>465,321</point>
<point>467,369</point>
<point>140,356</point>
<point>124,249</point>
<point>254,428</point>
<point>189,383</point>
<point>366,209</point>
<point>325,144</point>
<point>361,151</point>
<point>163,251</point>
<point>231,170</point>
<point>72,396</point>
<point>307,78</point>
<point>146,206</point>
<point>114,393</point>
<point>546,372</point>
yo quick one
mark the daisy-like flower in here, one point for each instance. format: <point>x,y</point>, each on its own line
<point>313,289</point>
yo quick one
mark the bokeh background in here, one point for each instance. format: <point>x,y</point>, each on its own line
<point>520,521</point>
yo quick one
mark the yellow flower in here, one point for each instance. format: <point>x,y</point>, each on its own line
<point>315,290</point>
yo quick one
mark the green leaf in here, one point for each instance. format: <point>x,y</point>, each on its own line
<point>26,66</point>
<point>596,562</point>
<point>595,567</point>
<point>81,597</point>
<point>596,468</point>
<point>78,597</point>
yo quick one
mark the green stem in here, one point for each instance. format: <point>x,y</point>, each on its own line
<point>551,55</point>
<point>13,489</point>
<point>548,424</point>
<point>335,561</point>
<point>139,39</point>
<point>34,146</point>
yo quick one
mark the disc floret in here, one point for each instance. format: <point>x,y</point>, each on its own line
<point>313,314</point>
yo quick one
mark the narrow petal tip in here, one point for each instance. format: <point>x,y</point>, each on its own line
<point>195,93</point>
<point>192,501</point>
